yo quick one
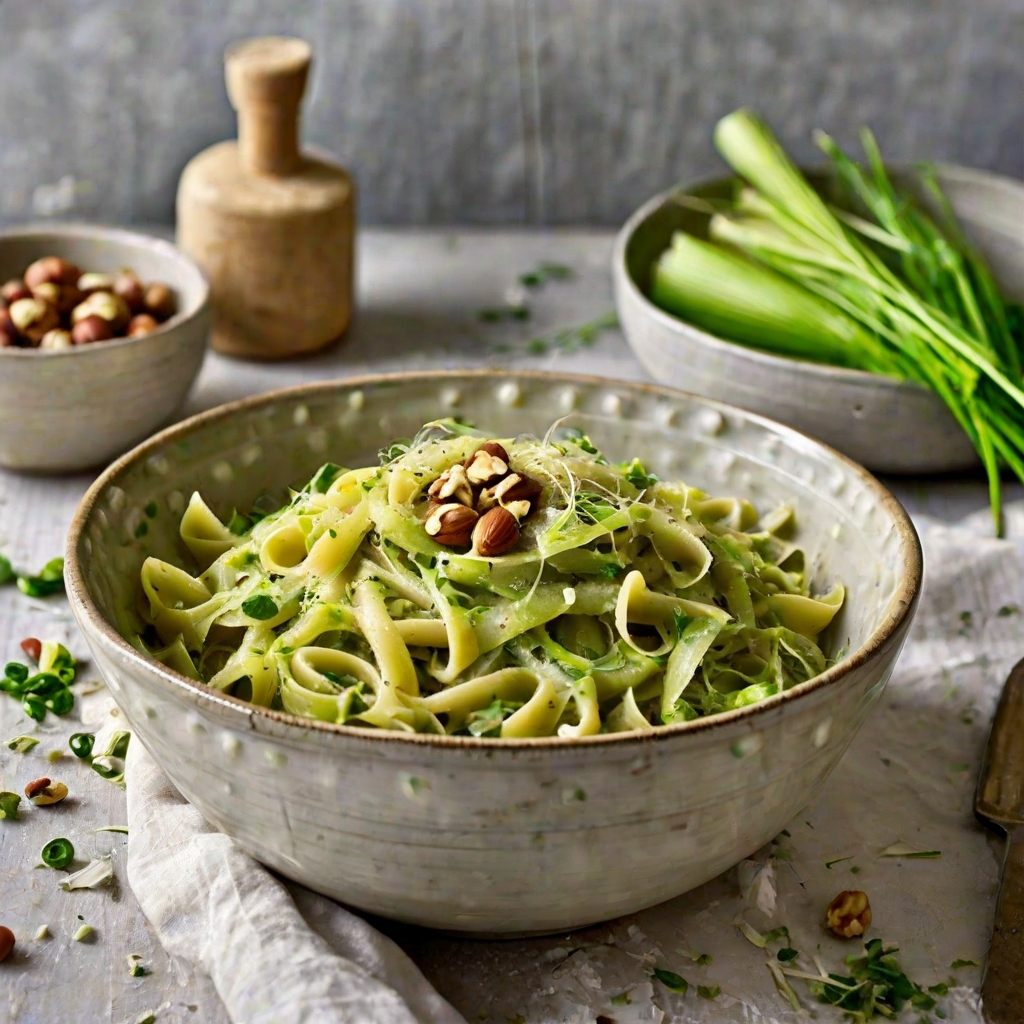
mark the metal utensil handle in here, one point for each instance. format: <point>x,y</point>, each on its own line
<point>1002,989</point>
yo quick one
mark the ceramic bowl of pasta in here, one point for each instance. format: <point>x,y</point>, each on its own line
<point>490,652</point>
<point>72,408</point>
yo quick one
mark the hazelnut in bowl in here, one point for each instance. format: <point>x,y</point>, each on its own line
<point>102,332</point>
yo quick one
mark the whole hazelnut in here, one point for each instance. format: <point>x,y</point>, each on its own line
<point>15,289</point>
<point>129,287</point>
<point>6,942</point>
<point>8,332</point>
<point>56,339</point>
<point>141,323</point>
<point>107,305</point>
<point>451,524</point>
<point>51,268</point>
<point>33,318</point>
<point>91,328</point>
<point>496,532</point>
<point>93,282</point>
<point>160,301</point>
<point>849,914</point>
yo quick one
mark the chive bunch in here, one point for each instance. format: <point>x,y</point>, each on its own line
<point>884,284</point>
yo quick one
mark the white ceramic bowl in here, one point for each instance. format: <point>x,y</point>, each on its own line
<point>887,425</point>
<point>68,410</point>
<point>477,835</point>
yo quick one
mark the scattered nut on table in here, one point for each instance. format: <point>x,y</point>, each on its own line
<point>6,942</point>
<point>849,914</point>
<point>43,792</point>
<point>47,306</point>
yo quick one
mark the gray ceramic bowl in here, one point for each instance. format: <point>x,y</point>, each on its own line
<point>887,425</point>
<point>62,411</point>
<point>506,836</point>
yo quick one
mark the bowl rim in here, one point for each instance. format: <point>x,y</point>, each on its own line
<point>824,371</point>
<point>901,609</point>
<point>100,232</point>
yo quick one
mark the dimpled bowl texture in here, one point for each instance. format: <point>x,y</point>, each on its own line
<point>69,410</point>
<point>888,425</point>
<point>494,836</point>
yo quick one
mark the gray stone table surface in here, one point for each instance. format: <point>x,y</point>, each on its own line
<point>421,293</point>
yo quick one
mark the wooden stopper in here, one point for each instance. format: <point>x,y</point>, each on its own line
<point>266,79</point>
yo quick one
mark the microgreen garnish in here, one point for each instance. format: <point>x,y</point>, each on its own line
<point>672,981</point>
<point>709,991</point>
<point>151,510</point>
<point>703,959</point>
<point>958,963</point>
<point>142,529</point>
<point>786,954</point>
<point>58,854</point>
<point>638,476</point>
<point>260,606</point>
<point>135,968</point>
<point>1007,610</point>
<point>488,721</point>
<point>238,523</point>
<point>836,860</point>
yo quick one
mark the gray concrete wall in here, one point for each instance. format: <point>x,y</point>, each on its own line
<point>511,111</point>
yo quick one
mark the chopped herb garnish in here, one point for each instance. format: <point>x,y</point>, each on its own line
<point>787,953</point>
<point>142,529</point>
<point>622,999</point>
<point>21,744</point>
<point>9,805</point>
<point>709,991</point>
<point>135,968</point>
<point>49,580</point>
<point>58,853</point>
<point>958,963</point>
<point>151,510</point>
<point>836,860</point>
<point>672,981</point>
<point>638,476</point>
<point>84,933</point>
<point>6,570</point>
<point>260,606</point>
<point>909,853</point>
<point>239,524</point>
<point>703,960</point>
<point>81,744</point>
<point>1007,610</point>
<point>325,476</point>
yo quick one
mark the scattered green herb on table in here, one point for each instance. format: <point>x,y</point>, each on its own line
<point>672,981</point>
<point>958,963</point>
<point>46,689</point>
<point>9,805</point>
<point>49,580</point>
<point>81,744</point>
<point>882,285</point>
<point>21,744</point>
<point>58,853</point>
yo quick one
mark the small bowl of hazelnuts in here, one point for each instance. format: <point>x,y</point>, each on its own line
<point>102,332</point>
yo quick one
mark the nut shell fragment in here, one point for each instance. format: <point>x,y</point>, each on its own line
<point>849,914</point>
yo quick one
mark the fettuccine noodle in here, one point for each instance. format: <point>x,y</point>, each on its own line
<point>623,603</point>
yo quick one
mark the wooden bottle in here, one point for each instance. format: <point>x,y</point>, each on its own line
<point>271,227</point>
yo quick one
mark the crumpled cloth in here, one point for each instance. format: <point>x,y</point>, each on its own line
<point>277,953</point>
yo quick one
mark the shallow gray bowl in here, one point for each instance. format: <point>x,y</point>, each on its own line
<point>69,410</point>
<point>476,835</point>
<point>886,425</point>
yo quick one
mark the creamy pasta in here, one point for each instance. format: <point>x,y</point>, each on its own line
<point>496,588</point>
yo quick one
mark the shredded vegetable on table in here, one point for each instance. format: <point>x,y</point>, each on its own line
<point>493,588</point>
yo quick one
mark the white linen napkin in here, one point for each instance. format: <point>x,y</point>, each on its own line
<point>277,953</point>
